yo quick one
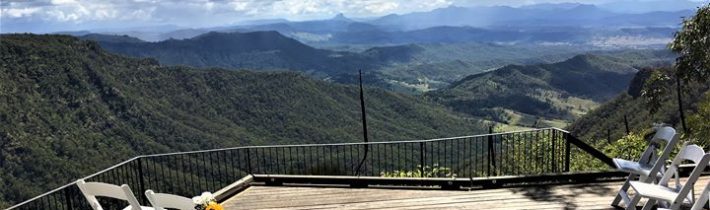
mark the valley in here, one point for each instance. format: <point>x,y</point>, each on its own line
<point>79,104</point>
<point>439,71</point>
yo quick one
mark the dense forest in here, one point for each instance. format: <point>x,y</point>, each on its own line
<point>459,71</point>
<point>270,50</point>
<point>622,126</point>
<point>398,67</point>
<point>540,95</point>
<point>261,50</point>
<point>68,108</point>
<point>676,95</point>
<point>608,122</point>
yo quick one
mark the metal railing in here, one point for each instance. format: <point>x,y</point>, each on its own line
<point>531,152</point>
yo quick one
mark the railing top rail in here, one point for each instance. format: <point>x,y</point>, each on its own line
<point>353,143</point>
<point>276,146</point>
<point>73,183</point>
<point>559,129</point>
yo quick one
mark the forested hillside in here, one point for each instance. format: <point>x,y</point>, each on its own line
<point>413,68</point>
<point>447,63</point>
<point>68,108</point>
<point>540,95</point>
<point>392,67</point>
<point>263,50</point>
<point>676,95</point>
<point>608,123</point>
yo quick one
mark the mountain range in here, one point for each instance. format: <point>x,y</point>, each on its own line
<point>541,95</point>
<point>269,50</point>
<point>395,67</point>
<point>264,50</point>
<point>539,23</point>
<point>576,23</point>
<point>68,104</point>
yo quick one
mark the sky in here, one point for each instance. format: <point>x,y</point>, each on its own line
<point>41,16</point>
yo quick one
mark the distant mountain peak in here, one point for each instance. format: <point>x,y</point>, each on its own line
<point>553,6</point>
<point>217,34</point>
<point>601,63</point>
<point>452,8</point>
<point>110,38</point>
<point>589,58</point>
<point>393,15</point>
<point>341,17</point>
<point>585,57</point>
<point>584,6</point>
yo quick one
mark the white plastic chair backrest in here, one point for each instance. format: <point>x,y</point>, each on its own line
<point>91,190</point>
<point>666,136</point>
<point>692,153</point>
<point>160,201</point>
<point>663,134</point>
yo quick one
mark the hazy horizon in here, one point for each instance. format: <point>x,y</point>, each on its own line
<point>47,16</point>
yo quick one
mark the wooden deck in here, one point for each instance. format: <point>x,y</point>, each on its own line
<point>575,196</point>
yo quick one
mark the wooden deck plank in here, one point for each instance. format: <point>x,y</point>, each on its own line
<point>573,196</point>
<point>505,194</point>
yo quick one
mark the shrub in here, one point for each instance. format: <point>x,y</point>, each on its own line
<point>433,171</point>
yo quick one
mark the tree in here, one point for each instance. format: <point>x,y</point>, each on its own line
<point>692,43</point>
<point>698,122</point>
<point>656,89</point>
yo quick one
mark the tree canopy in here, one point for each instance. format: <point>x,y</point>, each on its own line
<point>692,43</point>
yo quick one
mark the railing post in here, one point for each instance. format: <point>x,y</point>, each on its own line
<point>552,141</point>
<point>140,175</point>
<point>567,151</point>
<point>421,158</point>
<point>249,161</point>
<point>626,125</point>
<point>491,153</point>
<point>67,198</point>
<point>608,135</point>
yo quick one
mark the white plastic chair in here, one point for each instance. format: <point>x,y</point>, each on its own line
<point>650,165</point>
<point>703,199</point>
<point>91,190</point>
<point>679,194</point>
<point>160,201</point>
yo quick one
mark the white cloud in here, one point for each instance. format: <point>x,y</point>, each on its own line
<point>240,6</point>
<point>62,16</point>
<point>18,12</point>
<point>203,13</point>
<point>300,7</point>
<point>200,10</point>
<point>209,5</point>
<point>61,2</point>
<point>140,14</point>
<point>435,4</point>
<point>381,7</point>
<point>73,11</point>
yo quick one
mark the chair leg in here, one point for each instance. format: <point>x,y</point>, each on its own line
<point>632,205</point>
<point>649,204</point>
<point>676,205</point>
<point>624,188</point>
